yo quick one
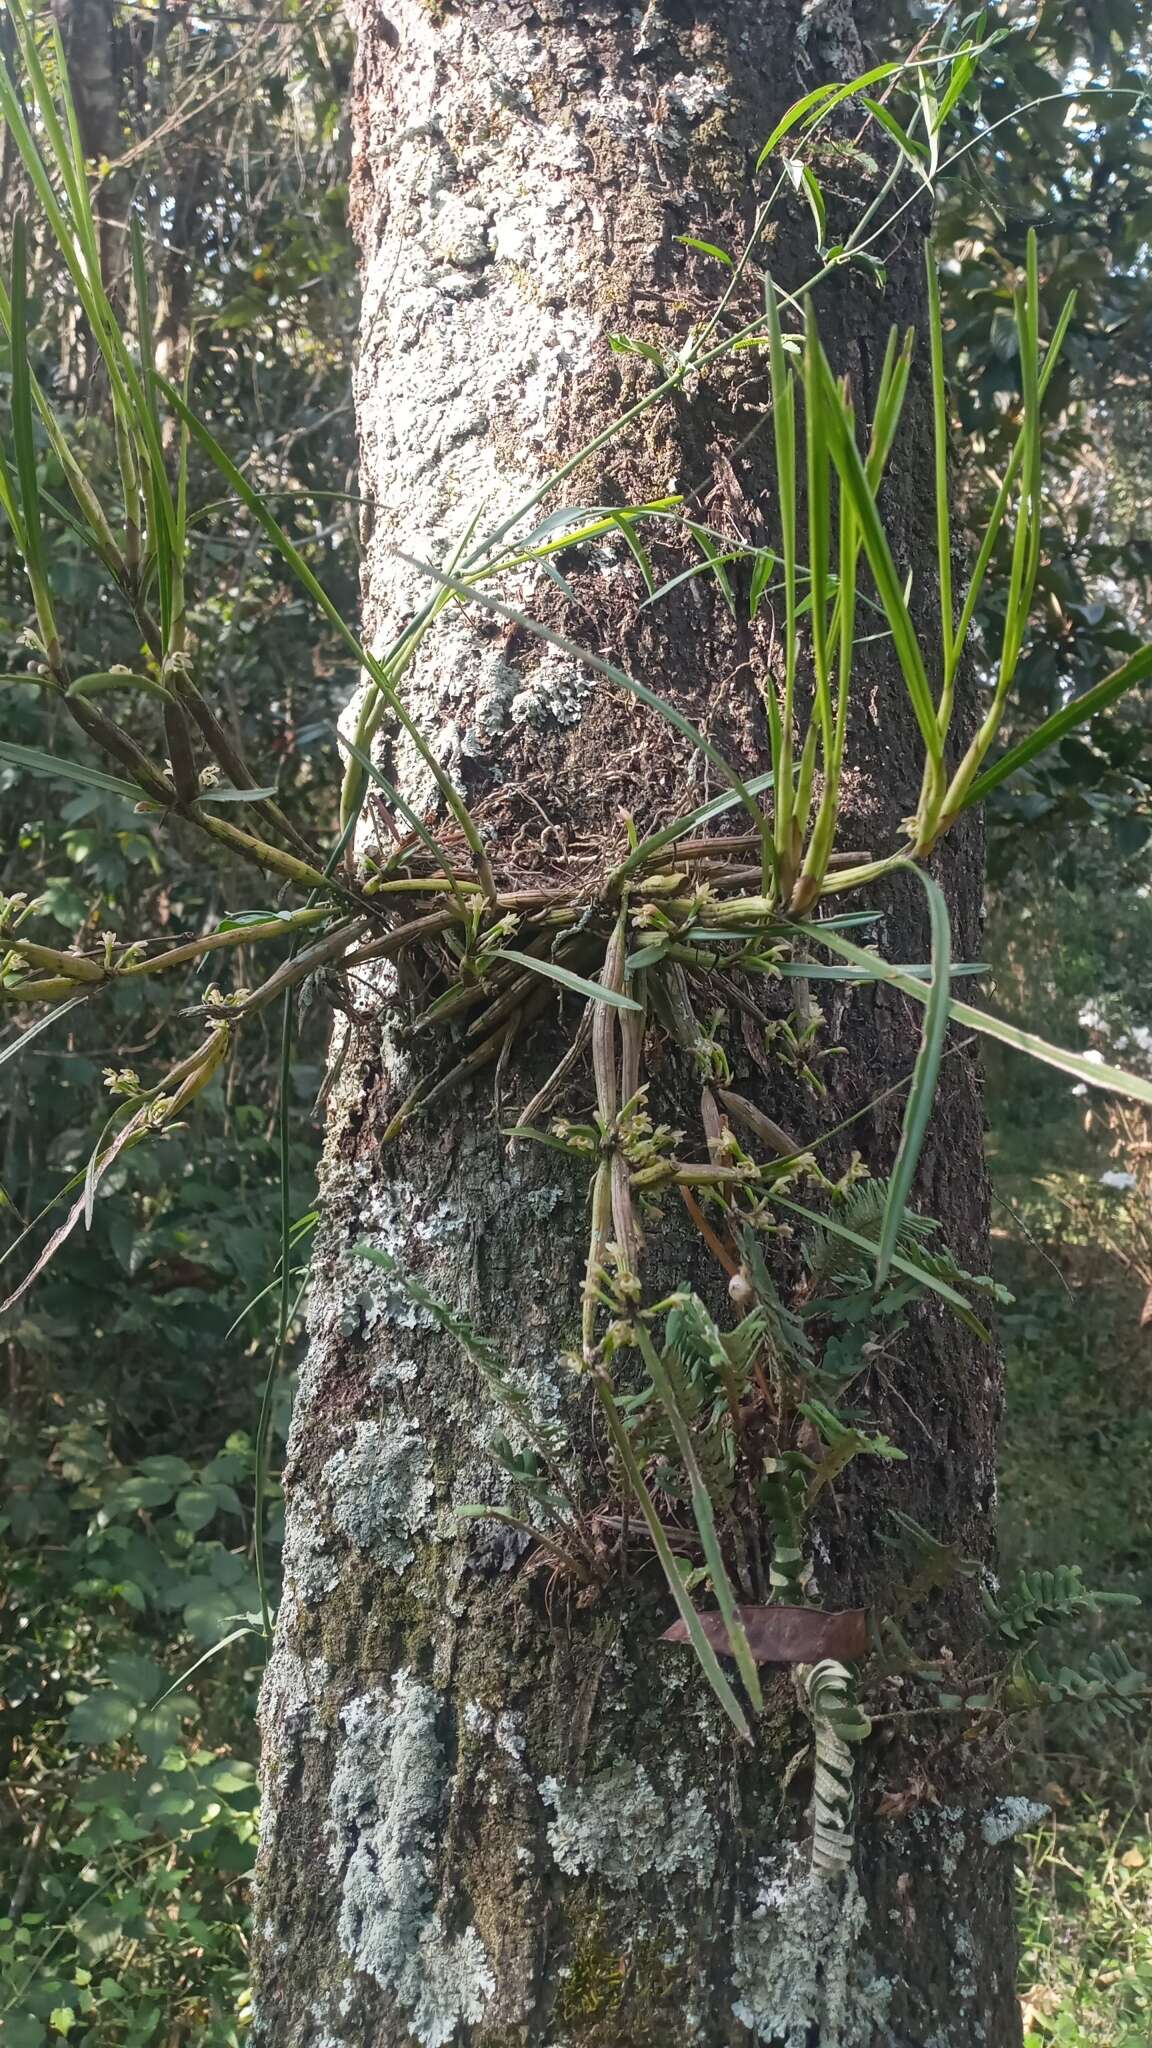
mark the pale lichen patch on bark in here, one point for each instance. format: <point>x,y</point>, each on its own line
<point>619,1827</point>
<point>380,1489</point>
<point>1008,1817</point>
<point>388,1789</point>
<point>801,1967</point>
<point>309,1572</point>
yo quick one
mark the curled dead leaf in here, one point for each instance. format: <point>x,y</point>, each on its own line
<point>787,1635</point>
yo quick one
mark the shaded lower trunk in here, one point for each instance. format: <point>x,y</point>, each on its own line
<point>498,1809</point>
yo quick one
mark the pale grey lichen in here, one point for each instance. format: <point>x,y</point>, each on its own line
<point>380,1489</point>
<point>387,1793</point>
<point>801,1969</point>
<point>309,1573</point>
<point>1009,1817</point>
<point>458,234</point>
<point>963,1962</point>
<point>502,1731</point>
<point>948,1827</point>
<point>618,1827</point>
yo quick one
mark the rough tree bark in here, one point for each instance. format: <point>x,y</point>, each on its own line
<point>88,31</point>
<point>497,1815</point>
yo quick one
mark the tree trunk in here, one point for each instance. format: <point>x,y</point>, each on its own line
<point>88,32</point>
<point>498,1809</point>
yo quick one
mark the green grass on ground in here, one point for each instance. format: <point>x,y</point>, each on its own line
<point>1076,1473</point>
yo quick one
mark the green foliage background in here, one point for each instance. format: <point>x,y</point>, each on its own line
<point>133,1371</point>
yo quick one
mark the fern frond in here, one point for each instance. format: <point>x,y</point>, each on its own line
<point>1108,1685</point>
<point>837,1721</point>
<point>696,1363</point>
<point>835,1266</point>
<point>785,1332</point>
<point>784,1492</point>
<point>1041,1598</point>
<point>743,1345</point>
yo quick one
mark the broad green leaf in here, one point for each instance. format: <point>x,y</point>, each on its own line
<point>102,1717</point>
<point>915,151</point>
<point>135,1676</point>
<point>139,1490</point>
<point>647,956</point>
<point>705,248</point>
<point>21,2030</point>
<point>961,74</point>
<point>623,345</point>
<point>176,1471</point>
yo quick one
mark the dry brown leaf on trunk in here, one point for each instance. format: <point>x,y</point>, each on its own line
<point>787,1635</point>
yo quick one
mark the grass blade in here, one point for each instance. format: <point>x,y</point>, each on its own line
<point>705,1518</point>
<point>626,529</point>
<point>709,1662</point>
<point>59,769</point>
<point>411,817</point>
<point>35,559</point>
<point>855,482</point>
<point>260,510</point>
<point>922,1092</point>
<point>1095,1073</point>
<point>283,1309</point>
<point>940,449</point>
<point>784,438</point>
<point>717,561</point>
<point>819,532</point>
<point>822,100</point>
<point>15,1046</point>
<point>904,1265</point>
<point>1104,693</point>
<point>640,691</point>
<point>118,679</point>
<point>1000,506</point>
<point>593,991</point>
<point>225,1643</point>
